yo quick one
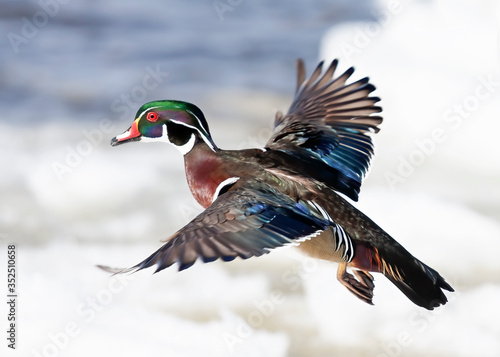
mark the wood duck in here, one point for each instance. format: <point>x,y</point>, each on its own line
<point>288,192</point>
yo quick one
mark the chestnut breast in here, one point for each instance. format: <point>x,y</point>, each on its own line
<point>205,170</point>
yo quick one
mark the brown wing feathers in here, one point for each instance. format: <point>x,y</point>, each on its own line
<point>341,115</point>
<point>333,98</point>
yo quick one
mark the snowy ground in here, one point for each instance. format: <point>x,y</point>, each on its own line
<point>433,186</point>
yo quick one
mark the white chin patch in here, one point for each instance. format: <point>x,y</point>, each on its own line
<point>184,149</point>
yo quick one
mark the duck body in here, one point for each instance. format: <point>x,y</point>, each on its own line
<point>290,191</point>
<point>372,248</point>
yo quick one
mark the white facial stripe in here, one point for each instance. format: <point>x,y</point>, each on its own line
<point>194,115</point>
<point>164,133</point>
<point>184,149</point>
<point>162,138</point>
<point>198,130</point>
<point>144,111</point>
<point>210,145</point>
<point>226,182</point>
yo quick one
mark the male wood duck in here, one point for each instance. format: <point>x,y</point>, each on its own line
<point>288,192</point>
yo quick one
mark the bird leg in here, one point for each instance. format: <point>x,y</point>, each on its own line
<point>365,279</point>
<point>361,287</point>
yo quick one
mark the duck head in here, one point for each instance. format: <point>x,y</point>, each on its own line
<point>179,123</point>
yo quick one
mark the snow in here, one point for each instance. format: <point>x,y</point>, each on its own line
<point>433,186</point>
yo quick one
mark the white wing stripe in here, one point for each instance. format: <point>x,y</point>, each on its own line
<point>344,241</point>
<point>322,211</point>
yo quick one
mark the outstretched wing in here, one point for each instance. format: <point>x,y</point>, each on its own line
<point>244,222</point>
<point>327,125</point>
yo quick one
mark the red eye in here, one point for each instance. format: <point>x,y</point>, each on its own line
<point>152,116</point>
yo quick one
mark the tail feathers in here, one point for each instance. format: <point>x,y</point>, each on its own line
<point>419,282</point>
